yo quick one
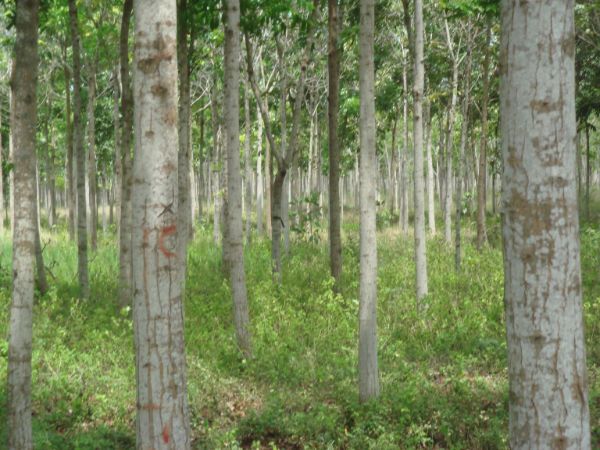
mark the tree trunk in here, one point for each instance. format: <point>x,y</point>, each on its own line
<point>70,182</point>
<point>461,157</point>
<point>404,156</point>
<point>284,159</point>
<point>41,281</point>
<point>79,151</point>
<point>548,398</point>
<point>216,161</point>
<point>430,174</point>
<point>419,228</point>
<point>241,317</point>
<point>450,156</point>
<point>588,171</point>
<point>162,411</point>
<point>247,163</point>
<point>92,179</point>
<point>368,372</point>
<point>333,65</point>
<point>184,185</point>
<point>260,183</point>
<point>118,156</point>
<point>481,184</point>
<point>201,153</point>
<point>49,159</point>
<point>23,120</point>
<point>125,230</point>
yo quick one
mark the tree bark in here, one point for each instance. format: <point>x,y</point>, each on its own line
<point>419,227</point>
<point>125,214</point>
<point>260,183</point>
<point>241,317</point>
<point>70,182</point>
<point>450,140</point>
<point>404,156</point>
<point>368,372</point>
<point>588,171</point>
<point>162,409</point>
<point>50,177</point>
<point>548,398</point>
<point>23,126</point>
<point>117,137</point>
<point>430,174</point>
<point>333,65</point>
<point>184,185</point>
<point>216,162</point>
<point>481,180</point>
<point>79,151</point>
<point>461,157</point>
<point>91,167</point>
<point>41,280</point>
<point>247,163</point>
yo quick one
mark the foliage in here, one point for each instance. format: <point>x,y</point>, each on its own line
<point>442,362</point>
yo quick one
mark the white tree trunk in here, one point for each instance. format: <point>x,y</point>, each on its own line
<point>419,75</point>
<point>546,349</point>
<point>162,411</point>
<point>234,223</point>
<point>79,150</point>
<point>450,156</point>
<point>368,372</point>
<point>23,127</point>
<point>430,174</point>
<point>260,183</point>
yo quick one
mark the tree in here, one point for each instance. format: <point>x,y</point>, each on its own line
<point>334,51</point>
<point>23,126</point>
<point>546,350</point>
<point>368,372</point>
<point>482,174</point>
<point>125,255</point>
<point>162,411</point>
<point>234,182</point>
<point>420,249</point>
<point>185,204</point>
<point>284,154</point>
<point>79,150</point>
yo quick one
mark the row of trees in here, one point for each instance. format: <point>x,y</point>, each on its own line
<point>159,189</point>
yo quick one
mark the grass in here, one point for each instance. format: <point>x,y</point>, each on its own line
<point>442,363</point>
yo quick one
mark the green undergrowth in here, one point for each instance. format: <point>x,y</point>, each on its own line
<point>442,361</point>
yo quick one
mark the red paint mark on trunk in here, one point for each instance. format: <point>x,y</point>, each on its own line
<point>165,434</point>
<point>166,231</point>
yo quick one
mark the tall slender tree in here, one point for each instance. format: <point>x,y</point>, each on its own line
<point>23,126</point>
<point>482,174</point>
<point>333,65</point>
<point>368,372</point>
<point>125,254</point>
<point>185,109</point>
<point>234,223</point>
<point>79,151</point>
<point>284,155</point>
<point>419,75</point>
<point>162,410</point>
<point>548,399</point>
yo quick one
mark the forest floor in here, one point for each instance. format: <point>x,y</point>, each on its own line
<point>442,363</point>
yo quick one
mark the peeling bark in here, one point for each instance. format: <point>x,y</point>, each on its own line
<point>162,409</point>
<point>548,395</point>
<point>23,126</point>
